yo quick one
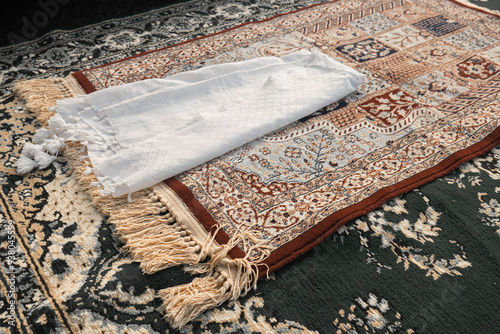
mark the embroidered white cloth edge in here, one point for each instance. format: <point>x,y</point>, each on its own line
<point>141,133</point>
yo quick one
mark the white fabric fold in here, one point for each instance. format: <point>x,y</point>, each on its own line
<point>141,133</point>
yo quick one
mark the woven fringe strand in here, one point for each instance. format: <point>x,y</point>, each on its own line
<point>226,279</point>
<point>41,94</point>
<point>182,304</point>
<point>155,242</point>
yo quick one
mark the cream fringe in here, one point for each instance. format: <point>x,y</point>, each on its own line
<point>225,279</point>
<point>152,235</point>
<point>41,94</point>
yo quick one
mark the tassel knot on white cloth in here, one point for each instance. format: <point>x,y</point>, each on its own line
<point>44,150</point>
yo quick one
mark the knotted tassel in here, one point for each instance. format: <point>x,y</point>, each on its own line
<point>185,302</point>
<point>26,162</point>
<point>46,145</point>
<point>40,136</point>
<point>57,124</point>
<point>52,146</point>
<point>31,150</point>
<point>44,160</point>
<point>230,280</point>
<point>226,279</point>
<point>25,165</point>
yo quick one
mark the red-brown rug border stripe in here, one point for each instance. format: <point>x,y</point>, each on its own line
<point>83,82</point>
<point>201,214</point>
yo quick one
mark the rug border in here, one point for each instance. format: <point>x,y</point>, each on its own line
<point>311,238</point>
<point>373,202</point>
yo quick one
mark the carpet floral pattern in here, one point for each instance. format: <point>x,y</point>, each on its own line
<point>428,255</point>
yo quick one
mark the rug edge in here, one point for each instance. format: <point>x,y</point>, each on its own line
<point>89,88</point>
<point>468,4</point>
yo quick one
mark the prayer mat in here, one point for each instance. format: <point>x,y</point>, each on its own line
<point>416,118</point>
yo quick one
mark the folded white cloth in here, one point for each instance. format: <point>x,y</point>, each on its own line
<point>141,133</point>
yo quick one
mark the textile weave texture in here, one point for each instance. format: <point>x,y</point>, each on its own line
<point>423,257</point>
